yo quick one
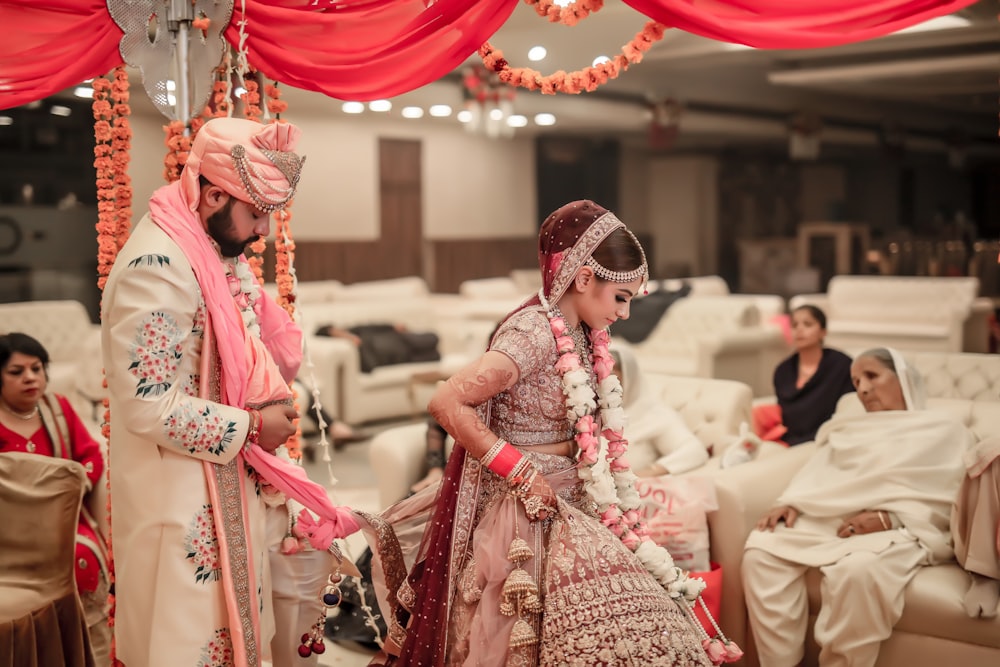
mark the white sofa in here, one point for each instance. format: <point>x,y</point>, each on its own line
<point>333,365</point>
<point>769,305</point>
<point>712,409</point>
<point>910,313</point>
<point>714,337</point>
<point>934,629</point>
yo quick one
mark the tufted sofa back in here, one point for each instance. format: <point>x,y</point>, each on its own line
<point>712,409</point>
<point>60,326</point>
<point>974,377</point>
<point>691,320</point>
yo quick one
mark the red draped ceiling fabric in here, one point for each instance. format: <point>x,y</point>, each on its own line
<point>366,49</point>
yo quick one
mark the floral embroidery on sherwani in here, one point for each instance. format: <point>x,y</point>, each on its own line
<point>202,546</point>
<point>199,429</point>
<point>155,354</point>
<point>218,652</point>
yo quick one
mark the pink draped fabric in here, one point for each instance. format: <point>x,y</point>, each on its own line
<point>802,24</point>
<point>365,49</point>
<point>49,45</point>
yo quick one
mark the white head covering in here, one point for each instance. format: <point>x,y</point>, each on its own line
<point>909,378</point>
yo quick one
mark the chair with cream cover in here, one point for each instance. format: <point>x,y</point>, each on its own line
<point>41,618</point>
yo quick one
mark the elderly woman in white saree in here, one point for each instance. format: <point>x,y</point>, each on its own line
<point>869,509</point>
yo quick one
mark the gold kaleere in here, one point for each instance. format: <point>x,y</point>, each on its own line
<point>520,595</point>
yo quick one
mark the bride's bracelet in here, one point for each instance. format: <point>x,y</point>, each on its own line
<point>502,458</point>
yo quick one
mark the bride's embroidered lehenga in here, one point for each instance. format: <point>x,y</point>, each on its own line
<point>448,600</point>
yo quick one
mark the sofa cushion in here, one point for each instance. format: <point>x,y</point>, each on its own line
<point>932,607</point>
<point>970,376</point>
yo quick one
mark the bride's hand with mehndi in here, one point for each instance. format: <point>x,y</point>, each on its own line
<point>535,494</point>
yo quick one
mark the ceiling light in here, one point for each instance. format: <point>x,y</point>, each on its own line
<point>517,120</point>
<point>565,3</point>
<point>85,92</point>
<point>352,107</point>
<point>948,22</point>
<point>60,110</point>
<point>412,112</point>
<point>464,116</point>
<point>33,105</point>
<point>537,53</point>
<point>600,59</point>
<point>239,91</point>
<point>440,110</point>
<point>496,114</point>
<point>6,120</point>
<point>545,119</point>
<point>380,105</point>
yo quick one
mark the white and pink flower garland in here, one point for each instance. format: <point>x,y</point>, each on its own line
<point>245,290</point>
<point>606,473</point>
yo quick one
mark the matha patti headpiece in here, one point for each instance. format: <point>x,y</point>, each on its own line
<point>642,271</point>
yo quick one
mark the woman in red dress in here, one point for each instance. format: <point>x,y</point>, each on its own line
<point>32,420</point>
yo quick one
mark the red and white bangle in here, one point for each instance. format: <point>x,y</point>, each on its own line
<point>502,458</point>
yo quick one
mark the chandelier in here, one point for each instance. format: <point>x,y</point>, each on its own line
<point>489,104</point>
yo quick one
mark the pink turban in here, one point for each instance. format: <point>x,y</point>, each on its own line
<point>250,161</point>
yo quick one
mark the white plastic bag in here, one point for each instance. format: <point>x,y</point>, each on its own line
<point>675,510</point>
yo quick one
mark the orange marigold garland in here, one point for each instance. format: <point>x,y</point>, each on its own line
<point>178,147</point>
<point>251,99</point>
<point>569,15</point>
<point>275,104</point>
<point>121,146</point>
<point>107,223</point>
<point>587,79</point>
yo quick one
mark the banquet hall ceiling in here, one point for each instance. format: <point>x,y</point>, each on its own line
<point>929,81</point>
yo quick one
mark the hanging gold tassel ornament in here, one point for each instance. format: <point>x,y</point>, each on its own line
<point>520,595</point>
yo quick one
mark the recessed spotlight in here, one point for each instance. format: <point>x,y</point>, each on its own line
<point>352,107</point>
<point>412,112</point>
<point>496,114</point>
<point>440,110</point>
<point>600,59</point>
<point>537,53</point>
<point>517,120</point>
<point>239,91</point>
<point>545,119</point>
<point>60,110</point>
<point>6,120</point>
<point>464,116</point>
<point>33,105</point>
<point>85,92</point>
<point>380,105</point>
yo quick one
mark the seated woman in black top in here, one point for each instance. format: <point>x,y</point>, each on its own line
<point>808,384</point>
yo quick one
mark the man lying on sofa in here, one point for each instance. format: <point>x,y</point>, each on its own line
<point>386,344</point>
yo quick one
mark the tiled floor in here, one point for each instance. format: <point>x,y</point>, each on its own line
<point>355,488</point>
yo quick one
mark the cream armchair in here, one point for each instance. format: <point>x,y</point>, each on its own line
<point>934,628</point>
<point>712,409</point>
<point>717,337</point>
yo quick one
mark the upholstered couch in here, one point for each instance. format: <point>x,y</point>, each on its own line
<point>333,365</point>
<point>934,628</point>
<point>72,341</point>
<point>910,313</point>
<point>712,409</point>
<point>718,337</point>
